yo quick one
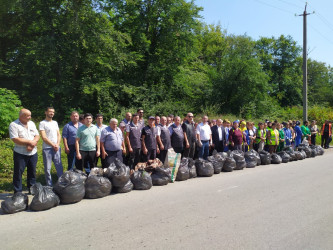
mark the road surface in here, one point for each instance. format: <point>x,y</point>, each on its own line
<point>286,206</point>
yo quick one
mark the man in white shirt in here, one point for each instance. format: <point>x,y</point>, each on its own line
<point>24,134</point>
<point>204,135</point>
<point>49,130</point>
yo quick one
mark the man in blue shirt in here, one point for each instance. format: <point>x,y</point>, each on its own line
<point>69,136</point>
<point>112,143</point>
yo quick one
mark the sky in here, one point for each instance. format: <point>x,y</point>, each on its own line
<point>267,18</point>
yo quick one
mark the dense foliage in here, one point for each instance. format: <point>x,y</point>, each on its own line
<point>9,110</point>
<point>112,56</point>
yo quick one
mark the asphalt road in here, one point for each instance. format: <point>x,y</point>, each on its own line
<point>286,206</point>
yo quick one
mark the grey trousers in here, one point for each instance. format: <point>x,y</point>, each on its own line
<point>50,155</point>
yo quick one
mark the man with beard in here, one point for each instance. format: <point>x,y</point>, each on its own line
<point>69,136</point>
<point>49,131</point>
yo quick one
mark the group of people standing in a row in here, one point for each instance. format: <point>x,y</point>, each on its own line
<point>133,141</point>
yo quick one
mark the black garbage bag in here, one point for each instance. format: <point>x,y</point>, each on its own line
<point>192,169</point>
<point>141,180</point>
<point>161,176</point>
<point>118,173</point>
<point>284,156</point>
<point>96,171</point>
<point>217,161</point>
<point>298,155</point>
<point>183,173</point>
<point>291,153</point>
<point>251,159</point>
<point>303,154</point>
<point>306,149</point>
<point>70,186</point>
<point>97,187</point>
<point>128,187</point>
<point>229,164</point>
<point>265,158</point>
<point>223,154</point>
<point>320,150</point>
<point>44,198</point>
<point>276,159</point>
<point>314,151</point>
<point>257,156</point>
<point>204,168</point>
<point>17,203</point>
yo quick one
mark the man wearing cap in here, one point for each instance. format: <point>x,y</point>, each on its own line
<point>149,140</point>
<point>218,136</point>
<point>204,135</point>
<point>24,134</point>
<point>133,141</point>
<point>189,136</point>
<point>236,137</point>
<point>177,136</point>
<point>164,141</point>
<point>112,143</point>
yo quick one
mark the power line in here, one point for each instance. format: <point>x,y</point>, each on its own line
<point>274,7</point>
<point>330,41</point>
<point>292,4</point>
<point>325,21</point>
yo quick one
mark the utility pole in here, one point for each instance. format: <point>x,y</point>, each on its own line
<point>305,66</point>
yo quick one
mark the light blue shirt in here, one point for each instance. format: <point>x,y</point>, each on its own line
<point>112,139</point>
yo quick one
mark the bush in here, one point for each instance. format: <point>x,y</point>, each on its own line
<point>10,105</point>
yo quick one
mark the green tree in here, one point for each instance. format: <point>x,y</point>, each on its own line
<point>281,60</point>
<point>10,105</point>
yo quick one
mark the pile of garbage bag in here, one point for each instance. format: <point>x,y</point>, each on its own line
<point>276,159</point>
<point>97,186</point>
<point>161,176</point>
<point>284,156</point>
<point>44,198</point>
<point>204,168</point>
<point>17,203</point>
<point>141,180</point>
<point>183,173</point>
<point>70,186</point>
<point>265,157</point>
<point>217,160</point>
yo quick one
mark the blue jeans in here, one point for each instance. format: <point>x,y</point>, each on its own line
<point>204,150</point>
<point>49,156</point>
<point>20,162</point>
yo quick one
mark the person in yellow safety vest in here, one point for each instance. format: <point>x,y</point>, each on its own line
<point>260,140</point>
<point>273,138</point>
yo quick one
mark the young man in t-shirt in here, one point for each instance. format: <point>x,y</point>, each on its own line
<point>49,131</point>
<point>87,143</point>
